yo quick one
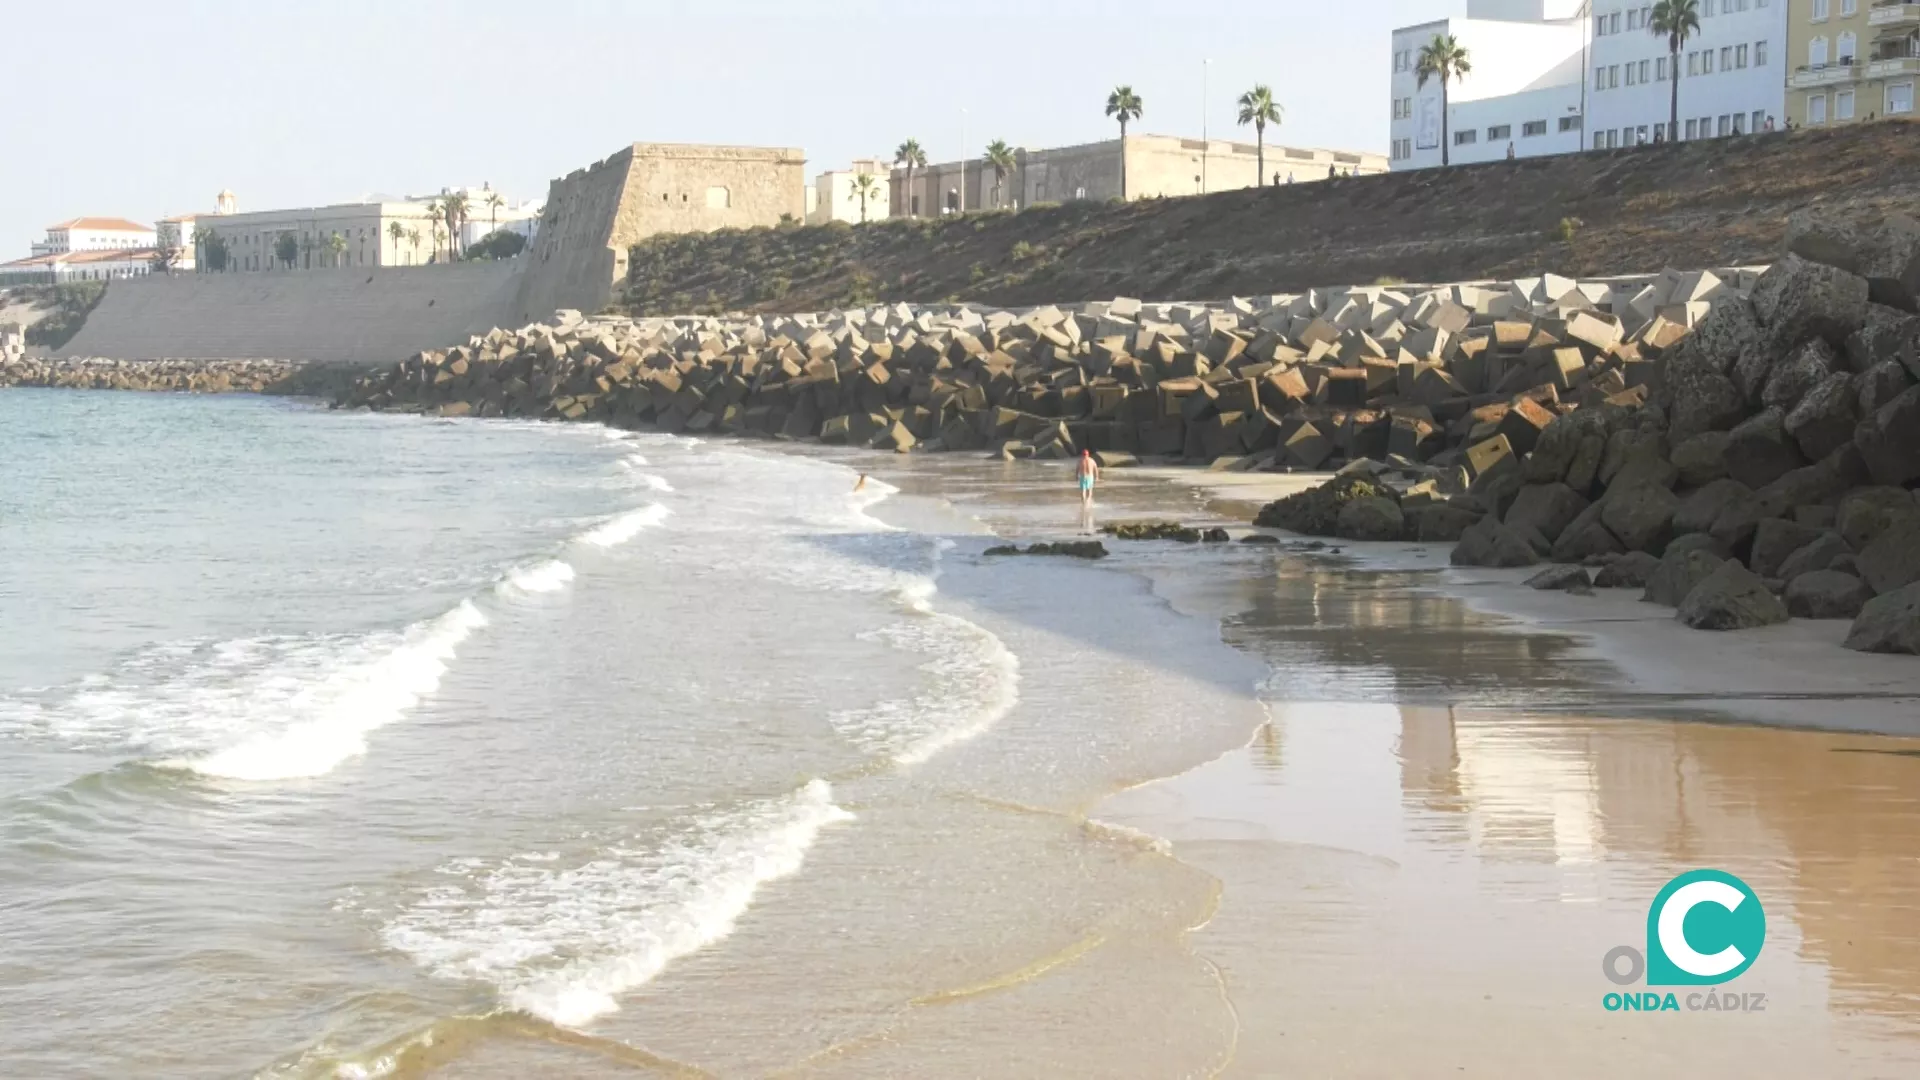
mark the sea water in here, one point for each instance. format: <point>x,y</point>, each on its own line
<point>331,740</point>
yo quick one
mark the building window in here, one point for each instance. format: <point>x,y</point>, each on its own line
<point>1463,138</point>
<point>1816,108</point>
<point>1613,23</point>
<point>1759,116</point>
<point>1599,26</point>
<point>1899,98</point>
<point>1849,43</point>
<point>1726,58</point>
<point>1640,135</point>
<point>1499,131</point>
<point>1532,128</point>
<point>1843,105</point>
<point>719,198</point>
<point>1613,76</point>
<point>1817,52</point>
<point>1849,7</point>
<point>1821,9</point>
<point>1739,123</point>
<point>1660,70</point>
<point>1759,54</point>
<point>1570,123</point>
<point>1630,72</point>
<point>1693,129</point>
<point>1645,66</point>
<point>1599,78</point>
<point>1740,56</point>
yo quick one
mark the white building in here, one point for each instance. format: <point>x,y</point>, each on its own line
<point>177,232</point>
<point>94,234</point>
<point>1523,95</point>
<point>86,249</point>
<point>1733,72</point>
<point>835,198</point>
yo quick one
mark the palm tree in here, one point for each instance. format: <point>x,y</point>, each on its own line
<point>1000,156</point>
<point>440,237</point>
<point>398,232</point>
<point>1678,20</point>
<point>1124,105</point>
<point>494,203</point>
<point>455,205</point>
<point>202,240</point>
<point>910,155</point>
<point>864,187</point>
<point>1445,59</point>
<point>336,246</point>
<point>1258,108</point>
<point>413,239</point>
<point>436,214</point>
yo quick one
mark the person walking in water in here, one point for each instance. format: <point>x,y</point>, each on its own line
<point>1087,472</point>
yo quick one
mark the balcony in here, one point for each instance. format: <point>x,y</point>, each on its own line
<point>1893,65</point>
<point>1824,75</point>
<point>1891,13</point>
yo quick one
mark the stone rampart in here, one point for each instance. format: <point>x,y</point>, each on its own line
<point>348,316</point>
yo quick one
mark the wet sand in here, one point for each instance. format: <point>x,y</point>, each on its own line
<point>1467,792</point>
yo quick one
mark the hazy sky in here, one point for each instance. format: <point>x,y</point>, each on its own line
<point>147,108</point>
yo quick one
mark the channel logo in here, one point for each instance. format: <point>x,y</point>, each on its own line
<point>1706,927</point>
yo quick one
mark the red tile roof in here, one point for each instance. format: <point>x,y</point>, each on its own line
<point>103,224</point>
<point>81,258</point>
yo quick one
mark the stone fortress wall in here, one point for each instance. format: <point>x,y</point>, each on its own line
<point>371,314</point>
<point>348,315</point>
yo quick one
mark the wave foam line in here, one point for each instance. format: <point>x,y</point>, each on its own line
<point>550,576</point>
<point>563,944</point>
<point>623,527</point>
<point>337,710</point>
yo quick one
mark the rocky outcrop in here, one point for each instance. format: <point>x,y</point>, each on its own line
<point>1075,549</point>
<point>1731,598</point>
<point>186,376</point>
<point>1152,530</point>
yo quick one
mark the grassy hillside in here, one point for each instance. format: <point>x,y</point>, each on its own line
<point>1710,203</point>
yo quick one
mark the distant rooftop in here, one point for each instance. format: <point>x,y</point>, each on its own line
<point>101,224</point>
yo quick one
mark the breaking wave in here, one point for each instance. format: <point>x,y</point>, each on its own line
<point>563,938</point>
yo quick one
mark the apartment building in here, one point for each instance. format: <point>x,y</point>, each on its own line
<point>1732,73</point>
<point>1851,60</point>
<point>1522,98</point>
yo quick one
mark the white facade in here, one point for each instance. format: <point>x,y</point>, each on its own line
<point>177,231</point>
<point>94,234</point>
<point>1524,90</point>
<point>834,197</point>
<point>1732,73</point>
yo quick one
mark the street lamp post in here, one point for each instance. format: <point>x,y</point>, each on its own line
<point>1206,150</point>
<point>963,161</point>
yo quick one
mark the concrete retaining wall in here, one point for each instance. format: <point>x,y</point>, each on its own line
<point>357,316</point>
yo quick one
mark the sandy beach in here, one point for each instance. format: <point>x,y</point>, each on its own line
<point>1466,791</point>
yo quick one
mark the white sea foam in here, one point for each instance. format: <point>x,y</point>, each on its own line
<point>973,681</point>
<point>656,483</point>
<point>252,709</point>
<point>623,527</point>
<point>544,577</point>
<point>563,941</point>
<point>327,719</point>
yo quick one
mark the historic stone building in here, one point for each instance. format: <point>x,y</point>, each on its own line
<point>595,214</point>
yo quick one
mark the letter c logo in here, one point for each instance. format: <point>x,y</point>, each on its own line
<point>1673,933</point>
<point>1728,928</point>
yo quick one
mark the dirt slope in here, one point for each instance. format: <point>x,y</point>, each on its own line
<point>1700,204</point>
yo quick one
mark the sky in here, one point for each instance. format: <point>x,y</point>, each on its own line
<point>148,108</point>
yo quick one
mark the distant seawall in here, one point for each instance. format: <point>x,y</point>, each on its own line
<point>345,316</point>
<point>380,315</point>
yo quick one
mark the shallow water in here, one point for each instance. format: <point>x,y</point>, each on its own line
<point>340,744</point>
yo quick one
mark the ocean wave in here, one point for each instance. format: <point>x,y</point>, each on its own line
<point>623,527</point>
<point>266,708</point>
<point>544,577</point>
<point>563,942</point>
<point>973,680</point>
<point>328,718</point>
